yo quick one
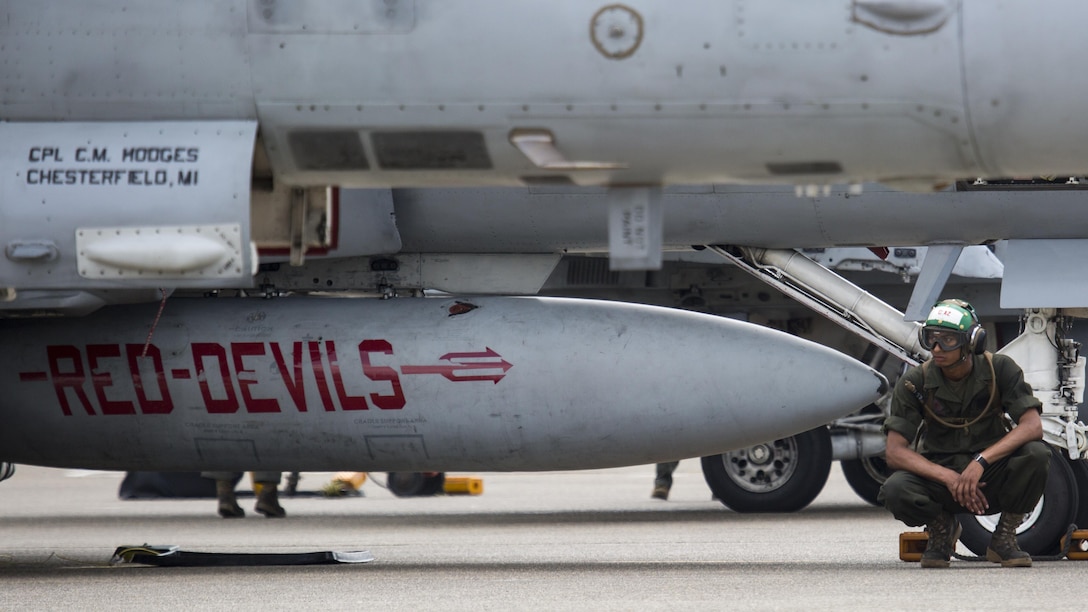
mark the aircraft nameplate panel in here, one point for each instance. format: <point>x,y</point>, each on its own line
<point>134,178</point>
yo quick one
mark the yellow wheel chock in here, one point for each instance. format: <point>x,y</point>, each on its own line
<point>1078,545</point>
<point>912,544</point>
<point>463,485</point>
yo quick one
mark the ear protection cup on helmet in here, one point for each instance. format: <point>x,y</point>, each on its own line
<point>976,339</point>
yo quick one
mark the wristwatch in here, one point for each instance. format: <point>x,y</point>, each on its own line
<point>982,461</point>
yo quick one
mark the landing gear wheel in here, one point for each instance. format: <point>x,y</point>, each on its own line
<point>780,476</point>
<point>866,476</point>
<point>1044,526</point>
<point>415,484</point>
<point>1080,475</point>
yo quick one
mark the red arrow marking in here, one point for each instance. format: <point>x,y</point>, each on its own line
<point>458,364</point>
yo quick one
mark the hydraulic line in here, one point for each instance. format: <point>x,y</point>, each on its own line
<point>833,297</point>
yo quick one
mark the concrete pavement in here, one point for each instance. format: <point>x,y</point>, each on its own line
<point>590,540</point>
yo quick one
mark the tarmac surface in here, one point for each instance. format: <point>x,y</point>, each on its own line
<point>589,540</point>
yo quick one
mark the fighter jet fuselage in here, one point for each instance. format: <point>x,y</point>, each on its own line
<point>489,92</point>
<point>139,140</point>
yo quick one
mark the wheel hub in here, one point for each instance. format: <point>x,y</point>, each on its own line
<point>760,454</point>
<point>764,467</point>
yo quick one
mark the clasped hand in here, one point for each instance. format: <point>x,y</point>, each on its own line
<point>967,490</point>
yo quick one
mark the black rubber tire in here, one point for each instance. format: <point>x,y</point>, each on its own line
<point>415,484</point>
<point>795,473</point>
<point>866,476</point>
<point>1080,475</point>
<point>1040,534</point>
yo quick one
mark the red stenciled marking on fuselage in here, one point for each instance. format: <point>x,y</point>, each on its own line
<point>319,375</point>
<point>70,378</point>
<point>464,362</point>
<point>163,405</point>
<point>247,378</point>
<point>201,351</point>
<point>100,378</point>
<point>347,402</point>
<point>381,373</point>
<point>292,379</point>
<point>97,377</point>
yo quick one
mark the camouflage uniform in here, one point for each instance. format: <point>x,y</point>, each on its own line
<point>1013,484</point>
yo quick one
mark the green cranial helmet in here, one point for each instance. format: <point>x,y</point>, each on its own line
<point>951,324</point>
<point>952,314</point>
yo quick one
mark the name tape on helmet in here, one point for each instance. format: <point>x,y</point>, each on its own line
<point>946,315</point>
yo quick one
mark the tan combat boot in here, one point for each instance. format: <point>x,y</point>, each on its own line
<point>943,531</point>
<point>268,502</point>
<point>228,503</point>
<point>1003,547</point>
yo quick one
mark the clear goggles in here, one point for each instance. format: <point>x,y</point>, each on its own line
<point>947,340</point>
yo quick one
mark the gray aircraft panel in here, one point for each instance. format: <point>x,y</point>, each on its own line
<point>1007,132</point>
<point>1033,266</point>
<point>535,220</point>
<point>431,93</point>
